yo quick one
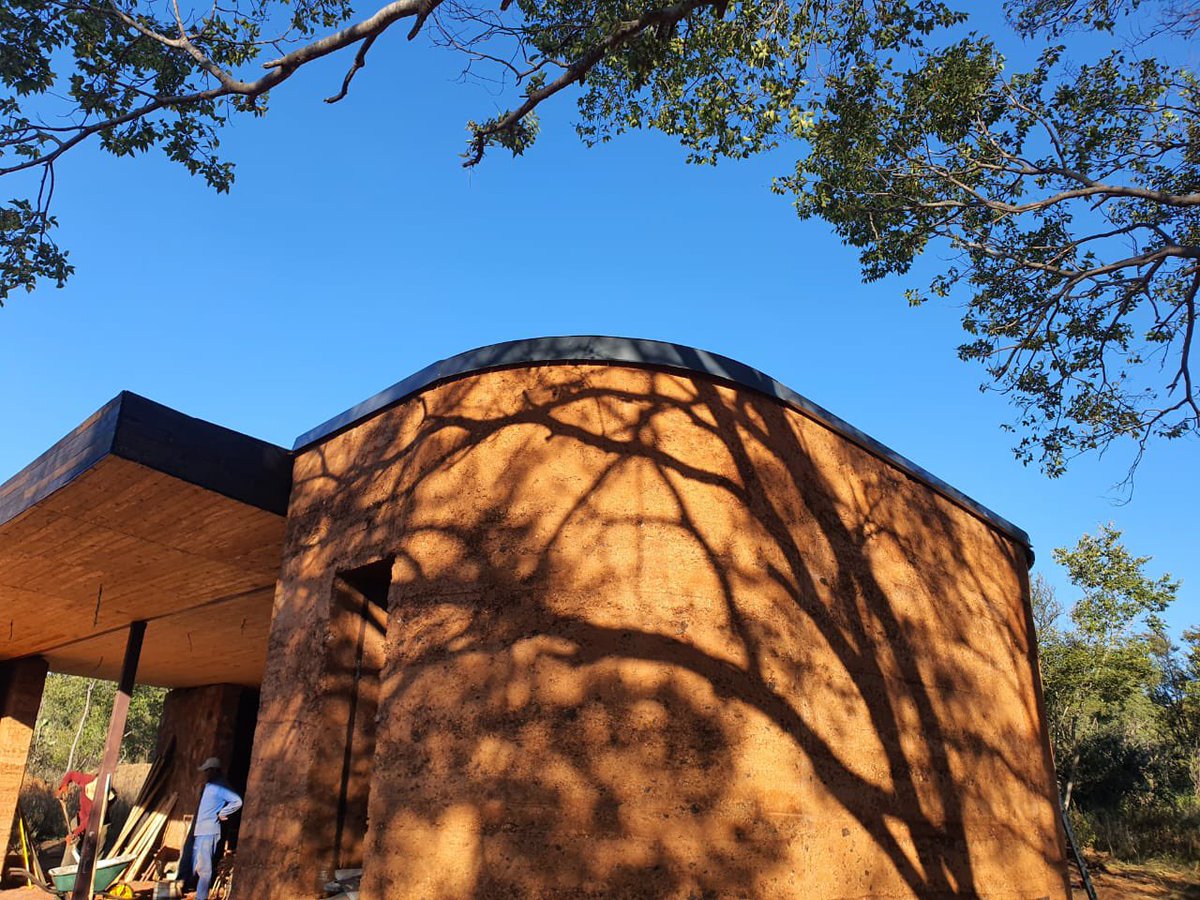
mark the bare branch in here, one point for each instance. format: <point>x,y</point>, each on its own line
<point>373,25</point>
<point>360,60</point>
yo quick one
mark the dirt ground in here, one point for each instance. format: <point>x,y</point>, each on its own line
<point>1122,881</point>
<point>142,889</point>
<point>1113,881</point>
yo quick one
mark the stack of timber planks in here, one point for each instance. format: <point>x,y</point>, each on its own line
<point>142,832</point>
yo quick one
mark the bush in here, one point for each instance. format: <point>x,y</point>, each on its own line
<point>43,815</point>
<point>1162,831</point>
<point>74,714</point>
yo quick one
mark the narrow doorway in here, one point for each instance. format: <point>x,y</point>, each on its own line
<point>359,626</point>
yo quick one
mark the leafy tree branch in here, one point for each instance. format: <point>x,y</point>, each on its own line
<point>1067,194</point>
<point>1069,198</point>
<point>135,75</point>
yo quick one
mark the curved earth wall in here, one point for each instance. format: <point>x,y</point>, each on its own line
<point>651,635</point>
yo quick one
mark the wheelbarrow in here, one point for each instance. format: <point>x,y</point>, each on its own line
<point>62,878</point>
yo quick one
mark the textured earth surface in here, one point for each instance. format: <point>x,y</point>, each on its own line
<point>1113,882</point>
<point>1119,881</point>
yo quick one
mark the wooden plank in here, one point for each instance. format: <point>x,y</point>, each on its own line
<point>146,795</point>
<point>159,821</point>
<point>138,839</point>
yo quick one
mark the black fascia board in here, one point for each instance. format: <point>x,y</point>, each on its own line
<point>132,427</point>
<point>62,463</point>
<point>643,353</point>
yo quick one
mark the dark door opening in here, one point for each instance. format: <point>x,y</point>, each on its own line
<point>360,629</point>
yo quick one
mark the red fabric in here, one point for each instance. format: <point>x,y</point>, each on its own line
<point>83,779</point>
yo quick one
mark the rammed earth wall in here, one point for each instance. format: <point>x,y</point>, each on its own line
<point>21,685</point>
<point>648,635</point>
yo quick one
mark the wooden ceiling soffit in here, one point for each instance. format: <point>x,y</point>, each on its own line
<point>137,429</point>
<point>144,513</point>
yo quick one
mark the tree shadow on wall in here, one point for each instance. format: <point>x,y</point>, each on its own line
<point>651,636</point>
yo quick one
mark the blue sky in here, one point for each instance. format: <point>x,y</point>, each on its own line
<point>354,249</point>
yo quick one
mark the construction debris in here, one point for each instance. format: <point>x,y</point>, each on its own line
<point>143,829</point>
<point>345,884</point>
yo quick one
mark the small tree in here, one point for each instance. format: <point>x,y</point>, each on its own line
<point>73,723</point>
<point>1046,608</point>
<point>1106,661</point>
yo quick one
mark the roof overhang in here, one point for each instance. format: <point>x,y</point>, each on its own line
<point>144,513</point>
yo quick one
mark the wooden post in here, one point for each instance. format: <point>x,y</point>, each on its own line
<point>89,850</point>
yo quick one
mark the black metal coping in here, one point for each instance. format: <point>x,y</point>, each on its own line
<point>648,354</point>
<point>129,426</point>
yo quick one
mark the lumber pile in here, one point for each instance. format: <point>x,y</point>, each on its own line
<point>142,832</point>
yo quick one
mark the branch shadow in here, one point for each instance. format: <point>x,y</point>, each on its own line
<point>649,635</point>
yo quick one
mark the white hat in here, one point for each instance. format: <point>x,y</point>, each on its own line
<point>211,763</point>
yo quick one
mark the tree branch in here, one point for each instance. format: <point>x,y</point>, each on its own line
<point>360,60</point>
<point>280,70</point>
<point>661,19</point>
<point>374,25</point>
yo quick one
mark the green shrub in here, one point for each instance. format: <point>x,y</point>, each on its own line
<point>1168,830</point>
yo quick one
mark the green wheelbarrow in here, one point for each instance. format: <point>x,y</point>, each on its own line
<point>62,878</point>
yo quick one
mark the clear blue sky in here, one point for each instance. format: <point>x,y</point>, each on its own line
<point>354,249</point>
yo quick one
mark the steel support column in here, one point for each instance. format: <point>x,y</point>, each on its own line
<point>108,765</point>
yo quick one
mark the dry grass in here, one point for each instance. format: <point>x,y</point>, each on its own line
<point>44,814</point>
<point>1116,880</point>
